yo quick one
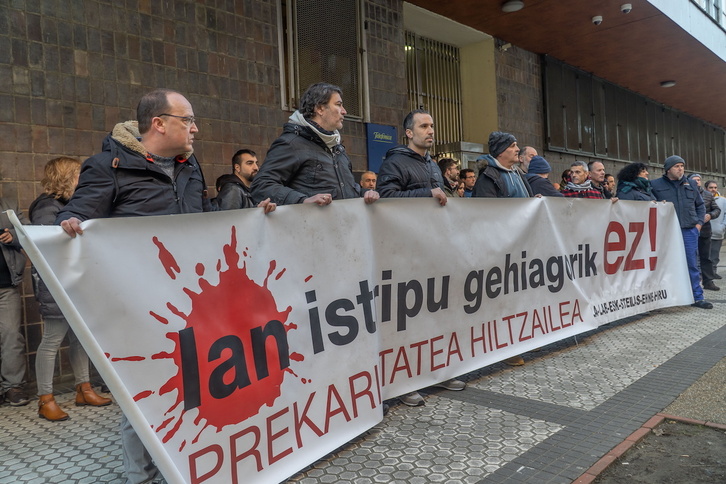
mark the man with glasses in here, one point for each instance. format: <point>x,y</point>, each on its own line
<point>147,168</point>
<point>468,176</point>
<point>152,156</point>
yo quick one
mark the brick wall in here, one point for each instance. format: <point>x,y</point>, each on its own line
<point>70,70</point>
<point>519,96</point>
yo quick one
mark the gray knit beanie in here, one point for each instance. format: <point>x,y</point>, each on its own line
<point>498,142</point>
<point>671,161</point>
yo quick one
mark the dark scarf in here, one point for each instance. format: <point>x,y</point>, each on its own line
<point>640,184</point>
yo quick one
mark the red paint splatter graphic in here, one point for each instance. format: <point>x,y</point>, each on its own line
<point>232,354</point>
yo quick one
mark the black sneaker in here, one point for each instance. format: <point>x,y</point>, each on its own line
<point>716,276</point>
<point>703,304</point>
<point>17,397</point>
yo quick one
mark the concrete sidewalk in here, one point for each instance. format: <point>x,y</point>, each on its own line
<point>546,422</point>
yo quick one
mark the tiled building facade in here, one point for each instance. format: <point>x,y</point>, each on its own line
<point>70,70</point>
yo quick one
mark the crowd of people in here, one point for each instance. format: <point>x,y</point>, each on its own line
<point>147,167</point>
<point>508,171</point>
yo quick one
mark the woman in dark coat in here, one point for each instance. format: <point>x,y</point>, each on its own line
<point>61,178</point>
<point>633,183</point>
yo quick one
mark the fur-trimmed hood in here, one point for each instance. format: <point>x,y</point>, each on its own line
<point>127,135</point>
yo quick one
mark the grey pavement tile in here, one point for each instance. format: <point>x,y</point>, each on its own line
<point>545,422</point>
<point>505,436</point>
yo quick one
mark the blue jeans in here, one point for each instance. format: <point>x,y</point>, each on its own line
<point>690,241</point>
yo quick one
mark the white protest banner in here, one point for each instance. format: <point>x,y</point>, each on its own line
<point>243,347</point>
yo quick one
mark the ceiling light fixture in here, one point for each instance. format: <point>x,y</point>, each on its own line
<point>667,83</point>
<point>512,6</point>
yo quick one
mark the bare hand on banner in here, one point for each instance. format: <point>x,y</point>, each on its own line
<point>72,226</point>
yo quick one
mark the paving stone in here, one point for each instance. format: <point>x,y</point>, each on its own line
<point>544,422</point>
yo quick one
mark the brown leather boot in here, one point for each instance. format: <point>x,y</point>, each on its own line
<point>86,396</point>
<point>49,410</point>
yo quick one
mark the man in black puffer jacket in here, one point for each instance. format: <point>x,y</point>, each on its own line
<point>408,171</point>
<point>146,168</point>
<point>307,163</point>
<point>233,190</point>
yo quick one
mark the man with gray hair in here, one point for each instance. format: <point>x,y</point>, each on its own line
<point>579,185</point>
<point>308,163</point>
<point>368,180</point>
<point>525,157</point>
<point>498,177</point>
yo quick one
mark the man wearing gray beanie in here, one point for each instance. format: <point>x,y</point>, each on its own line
<point>683,193</point>
<point>499,178</point>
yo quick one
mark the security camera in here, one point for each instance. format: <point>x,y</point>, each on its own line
<point>626,7</point>
<point>597,19</point>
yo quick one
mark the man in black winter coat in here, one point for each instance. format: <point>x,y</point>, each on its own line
<point>308,163</point>
<point>147,167</point>
<point>498,177</point>
<point>233,190</point>
<point>409,171</point>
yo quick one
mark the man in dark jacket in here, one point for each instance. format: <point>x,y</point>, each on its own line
<point>537,173</point>
<point>307,163</point>
<point>498,176</point>
<point>408,171</point>
<point>690,210</point>
<point>233,190</point>
<point>147,167</point>
<point>12,344</point>
<point>704,236</point>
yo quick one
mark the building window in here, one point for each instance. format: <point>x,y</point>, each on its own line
<point>713,8</point>
<point>321,42</point>
<point>433,76</point>
<point>590,116</point>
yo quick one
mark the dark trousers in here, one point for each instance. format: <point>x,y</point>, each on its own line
<point>704,256</point>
